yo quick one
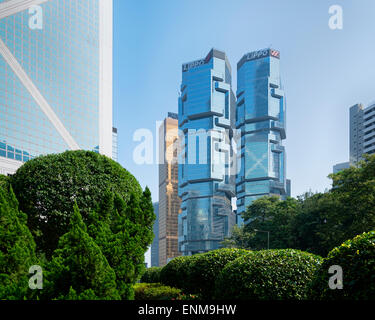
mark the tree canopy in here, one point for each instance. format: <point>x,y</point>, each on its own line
<point>313,222</point>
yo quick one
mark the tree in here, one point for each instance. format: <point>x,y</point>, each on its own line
<point>78,269</point>
<point>47,188</point>
<point>119,230</point>
<point>267,214</point>
<point>17,247</point>
<point>354,189</point>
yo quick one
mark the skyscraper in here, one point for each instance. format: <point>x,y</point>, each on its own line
<point>369,129</point>
<point>261,119</point>
<point>356,114</point>
<point>361,136</point>
<point>114,144</point>
<point>155,242</point>
<point>169,202</point>
<point>206,113</point>
<point>55,78</point>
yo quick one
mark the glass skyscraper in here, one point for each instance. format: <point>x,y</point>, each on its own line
<point>155,242</point>
<point>55,78</point>
<point>261,119</point>
<point>206,115</point>
<point>169,202</point>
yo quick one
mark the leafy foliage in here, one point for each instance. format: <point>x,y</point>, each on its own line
<point>17,247</point>
<point>314,222</point>
<point>47,188</point>
<point>78,269</point>
<point>155,291</point>
<point>205,268</point>
<point>176,272</point>
<point>151,275</point>
<point>268,275</point>
<point>123,232</point>
<point>356,257</point>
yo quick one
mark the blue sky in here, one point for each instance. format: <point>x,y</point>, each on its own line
<point>324,71</point>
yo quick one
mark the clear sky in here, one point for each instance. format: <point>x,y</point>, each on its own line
<point>323,71</point>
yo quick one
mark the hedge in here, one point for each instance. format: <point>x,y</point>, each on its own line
<point>151,275</point>
<point>155,291</point>
<point>268,275</point>
<point>205,268</point>
<point>356,257</point>
<point>176,273</point>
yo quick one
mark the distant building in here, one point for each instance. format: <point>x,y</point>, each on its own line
<point>341,166</point>
<point>356,133</point>
<point>261,117</point>
<point>169,202</point>
<point>155,242</point>
<point>114,144</point>
<point>206,115</point>
<point>361,136</point>
<point>369,129</point>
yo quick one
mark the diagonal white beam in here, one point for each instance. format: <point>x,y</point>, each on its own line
<point>38,97</point>
<point>11,7</point>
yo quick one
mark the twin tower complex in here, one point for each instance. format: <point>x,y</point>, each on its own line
<point>229,146</point>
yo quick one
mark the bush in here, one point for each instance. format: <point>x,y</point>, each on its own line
<point>176,272</point>
<point>17,248</point>
<point>356,257</point>
<point>155,291</point>
<point>205,268</point>
<point>151,275</point>
<point>48,186</point>
<point>268,275</point>
<point>118,215</point>
<point>78,269</point>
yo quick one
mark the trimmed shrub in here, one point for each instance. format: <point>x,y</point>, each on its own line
<point>151,275</point>
<point>155,291</point>
<point>48,186</point>
<point>268,275</point>
<point>205,268</point>
<point>356,257</point>
<point>176,272</point>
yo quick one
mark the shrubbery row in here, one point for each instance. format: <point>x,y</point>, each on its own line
<point>284,274</point>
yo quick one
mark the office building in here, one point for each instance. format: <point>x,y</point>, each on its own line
<point>341,166</point>
<point>361,136</point>
<point>356,114</point>
<point>261,119</point>
<point>169,202</point>
<point>206,115</point>
<point>369,129</point>
<point>55,78</point>
<point>155,242</point>
<point>114,144</point>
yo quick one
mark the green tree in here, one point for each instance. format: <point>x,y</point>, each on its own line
<point>267,214</point>
<point>78,269</point>
<point>119,230</point>
<point>47,188</point>
<point>354,189</point>
<point>17,247</point>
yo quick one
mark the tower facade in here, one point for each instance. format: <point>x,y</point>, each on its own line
<point>155,242</point>
<point>261,119</point>
<point>55,78</point>
<point>169,202</point>
<point>206,115</point>
<point>356,114</point>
